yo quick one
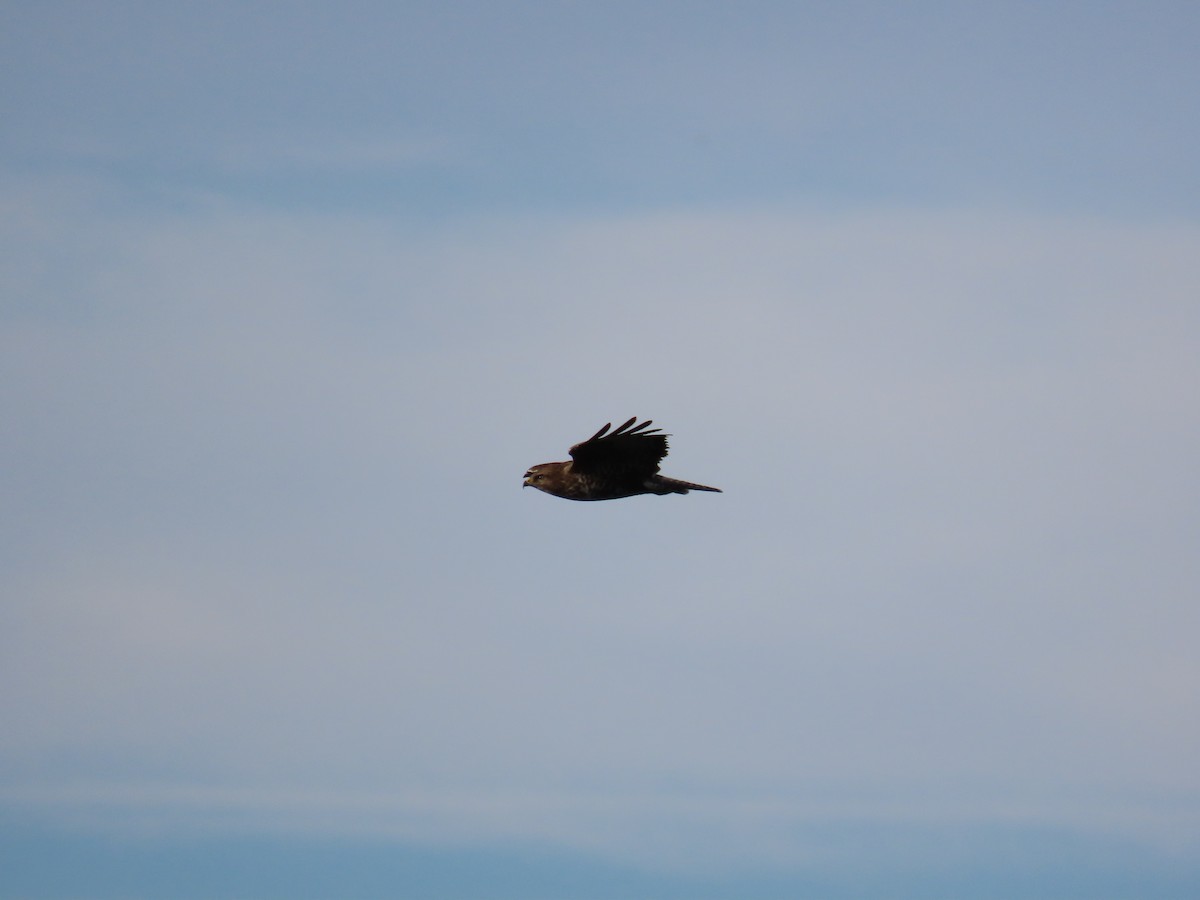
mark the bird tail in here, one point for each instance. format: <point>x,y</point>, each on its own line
<point>666,485</point>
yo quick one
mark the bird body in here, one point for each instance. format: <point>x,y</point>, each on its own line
<point>609,466</point>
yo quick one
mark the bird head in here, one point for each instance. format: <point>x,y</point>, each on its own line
<point>541,476</point>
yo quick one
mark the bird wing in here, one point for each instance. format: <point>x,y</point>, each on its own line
<point>629,450</point>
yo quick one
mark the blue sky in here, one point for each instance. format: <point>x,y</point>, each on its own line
<point>292,294</point>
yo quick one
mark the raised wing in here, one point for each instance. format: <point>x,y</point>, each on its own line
<point>630,450</point>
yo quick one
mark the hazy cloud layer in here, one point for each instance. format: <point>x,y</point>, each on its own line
<point>267,550</point>
<point>291,295</point>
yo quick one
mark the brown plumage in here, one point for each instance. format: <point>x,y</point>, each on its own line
<point>609,466</point>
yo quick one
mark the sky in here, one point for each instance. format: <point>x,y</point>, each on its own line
<point>291,295</point>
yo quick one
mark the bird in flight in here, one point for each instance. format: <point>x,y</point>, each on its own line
<point>610,465</point>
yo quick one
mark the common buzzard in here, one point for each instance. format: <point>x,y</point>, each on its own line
<point>609,466</point>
